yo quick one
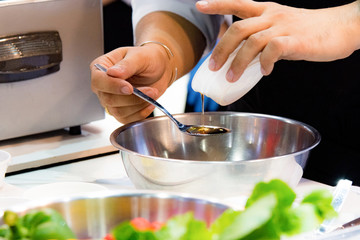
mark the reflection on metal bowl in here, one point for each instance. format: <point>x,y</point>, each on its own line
<point>156,155</point>
<point>92,216</point>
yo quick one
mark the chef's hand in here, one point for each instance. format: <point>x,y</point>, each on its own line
<point>144,67</point>
<point>282,32</point>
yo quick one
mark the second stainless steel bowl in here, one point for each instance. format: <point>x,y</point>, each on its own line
<point>92,216</point>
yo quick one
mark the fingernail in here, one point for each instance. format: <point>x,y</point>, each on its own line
<point>230,76</point>
<point>212,64</point>
<point>117,67</point>
<point>202,3</point>
<point>126,90</point>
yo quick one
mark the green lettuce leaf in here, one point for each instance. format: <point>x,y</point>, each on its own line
<point>322,201</point>
<point>125,231</point>
<point>254,217</point>
<point>184,227</point>
<point>37,224</point>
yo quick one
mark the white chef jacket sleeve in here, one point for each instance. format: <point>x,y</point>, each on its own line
<point>209,25</point>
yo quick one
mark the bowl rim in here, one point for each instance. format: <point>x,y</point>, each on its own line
<point>315,133</point>
<point>157,194</point>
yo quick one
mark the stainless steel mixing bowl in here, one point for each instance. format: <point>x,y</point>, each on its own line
<point>92,216</point>
<point>156,155</point>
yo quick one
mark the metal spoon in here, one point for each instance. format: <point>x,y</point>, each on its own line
<point>352,223</point>
<point>194,130</point>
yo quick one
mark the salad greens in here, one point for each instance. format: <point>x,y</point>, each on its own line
<point>270,212</point>
<point>36,225</point>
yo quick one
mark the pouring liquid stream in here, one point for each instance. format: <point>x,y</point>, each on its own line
<point>202,110</point>
<point>202,129</point>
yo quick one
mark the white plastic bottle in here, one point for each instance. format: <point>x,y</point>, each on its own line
<point>215,86</point>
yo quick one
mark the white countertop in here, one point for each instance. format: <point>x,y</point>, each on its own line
<point>106,171</point>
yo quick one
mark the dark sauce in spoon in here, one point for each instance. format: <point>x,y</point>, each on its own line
<point>206,130</point>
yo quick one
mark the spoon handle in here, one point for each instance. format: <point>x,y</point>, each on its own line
<point>150,100</point>
<point>352,223</point>
<point>145,97</point>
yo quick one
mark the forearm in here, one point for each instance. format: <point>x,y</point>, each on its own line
<point>185,41</point>
<point>349,24</point>
<point>357,23</point>
<point>107,2</point>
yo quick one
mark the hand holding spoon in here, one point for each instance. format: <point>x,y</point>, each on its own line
<point>194,130</point>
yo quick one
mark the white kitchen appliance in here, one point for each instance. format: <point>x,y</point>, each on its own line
<point>46,47</point>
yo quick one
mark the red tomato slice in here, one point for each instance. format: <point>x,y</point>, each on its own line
<point>156,225</point>
<point>141,224</point>
<point>109,237</point>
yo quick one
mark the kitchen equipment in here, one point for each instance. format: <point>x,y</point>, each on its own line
<point>46,47</point>
<point>258,148</point>
<point>5,159</point>
<point>30,55</point>
<point>195,130</point>
<point>92,216</point>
